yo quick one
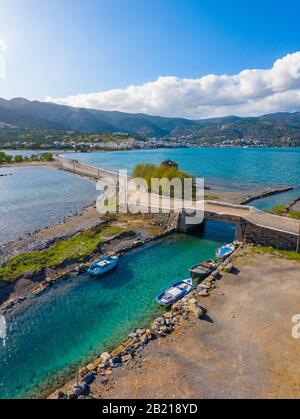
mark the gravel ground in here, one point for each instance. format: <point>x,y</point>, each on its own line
<point>243,349</point>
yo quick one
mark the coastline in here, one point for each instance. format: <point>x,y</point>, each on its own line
<point>80,221</point>
<point>86,219</point>
<point>206,342</point>
<point>140,230</point>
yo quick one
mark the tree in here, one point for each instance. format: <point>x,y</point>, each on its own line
<point>46,157</point>
<point>2,157</point>
<point>34,157</point>
<point>18,158</point>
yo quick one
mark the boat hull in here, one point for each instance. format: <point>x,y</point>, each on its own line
<point>175,292</point>
<point>201,272</point>
<point>225,251</point>
<point>103,266</point>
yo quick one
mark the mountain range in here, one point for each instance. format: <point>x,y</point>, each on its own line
<point>34,115</point>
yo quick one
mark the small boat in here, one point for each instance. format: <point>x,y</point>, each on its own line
<point>175,292</point>
<point>225,251</point>
<point>103,265</point>
<point>203,270</point>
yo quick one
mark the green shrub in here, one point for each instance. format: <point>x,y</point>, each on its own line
<point>18,158</point>
<point>77,248</point>
<point>151,171</point>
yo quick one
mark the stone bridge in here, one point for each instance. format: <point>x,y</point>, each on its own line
<point>252,225</point>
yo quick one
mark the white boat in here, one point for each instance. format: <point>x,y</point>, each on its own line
<point>225,251</point>
<point>103,265</point>
<point>175,292</point>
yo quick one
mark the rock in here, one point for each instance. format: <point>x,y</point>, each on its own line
<point>164,329</point>
<point>169,315</point>
<point>81,388</point>
<point>192,301</point>
<point>132,336</point>
<point>126,358</point>
<point>91,367</point>
<point>144,339</point>
<point>103,380</point>
<point>89,378</point>
<point>140,332</point>
<point>203,293</point>
<point>105,356</point>
<point>83,371</point>
<point>160,321</point>
<point>117,351</point>
<point>61,395</point>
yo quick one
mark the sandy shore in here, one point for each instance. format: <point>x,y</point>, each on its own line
<point>53,164</point>
<point>242,349</point>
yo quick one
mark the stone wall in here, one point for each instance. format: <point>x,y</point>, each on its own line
<point>81,169</point>
<point>252,233</point>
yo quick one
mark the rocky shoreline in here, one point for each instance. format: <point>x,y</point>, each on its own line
<point>37,283</point>
<point>129,353</point>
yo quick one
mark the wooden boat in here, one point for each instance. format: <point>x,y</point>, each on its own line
<point>104,265</point>
<point>203,270</point>
<point>225,251</point>
<point>175,292</point>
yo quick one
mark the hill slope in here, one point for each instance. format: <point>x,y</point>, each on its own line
<point>279,128</point>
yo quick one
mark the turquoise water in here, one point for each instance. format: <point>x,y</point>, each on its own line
<point>225,168</point>
<point>32,198</point>
<point>71,323</point>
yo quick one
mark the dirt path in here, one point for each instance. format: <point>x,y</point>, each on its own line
<point>244,349</point>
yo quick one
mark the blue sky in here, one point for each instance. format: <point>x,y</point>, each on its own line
<point>64,48</point>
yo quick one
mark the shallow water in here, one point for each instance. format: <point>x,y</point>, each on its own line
<point>77,319</point>
<point>272,201</point>
<point>224,168</point>
<point>32,198</point>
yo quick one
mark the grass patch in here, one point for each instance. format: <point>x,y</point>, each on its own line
<point>294,214</point>
<point>78,248</point>
<point>210,197</point>
<point>281,253</point>
<point>278,210</point>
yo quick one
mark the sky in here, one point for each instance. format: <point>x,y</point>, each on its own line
<point>187,58</point>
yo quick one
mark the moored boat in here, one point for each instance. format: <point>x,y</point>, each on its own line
<point>175,292</point>
<point>103,265</point>
<point>225,251</point>
<point>204,269</point>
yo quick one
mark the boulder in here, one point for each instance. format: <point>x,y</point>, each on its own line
<point>160,321</point>
<point>144,339</point>
<point>126,358</point>
<point>164,329</point>
<point>81,388</point>
<point>196,309</point>
<point>105,356</point>
<point>89,378</point>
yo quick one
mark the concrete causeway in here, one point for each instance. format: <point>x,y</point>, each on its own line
<point>252,225</point>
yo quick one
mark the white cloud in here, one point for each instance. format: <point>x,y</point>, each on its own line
<point>3,46</point>
<point>251,92</point>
